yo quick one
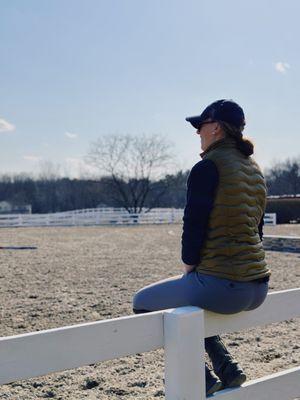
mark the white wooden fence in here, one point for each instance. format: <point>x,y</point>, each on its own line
<point>270,219</point>
<point>101,216</point>
<point>179,331</point>
<point>93,216</point>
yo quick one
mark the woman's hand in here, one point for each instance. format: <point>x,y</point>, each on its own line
<point>188,268</point>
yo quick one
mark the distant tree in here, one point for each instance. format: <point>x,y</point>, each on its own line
<point>48,175</point>
<point>131,165</point>
<point>175,196</point>
<point>48,170</point>
<point>284,178</point>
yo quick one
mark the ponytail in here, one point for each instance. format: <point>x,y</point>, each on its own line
<point>243,144</point>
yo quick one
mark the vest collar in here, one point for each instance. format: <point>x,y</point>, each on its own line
<point>224,142</point>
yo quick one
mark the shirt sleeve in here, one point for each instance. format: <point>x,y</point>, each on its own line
<point>260,227</point>
<point>201,187</point>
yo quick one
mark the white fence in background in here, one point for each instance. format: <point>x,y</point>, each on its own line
<point>178,331</point>
<point>94,216</point>
<point>270,219</point>
<point>101,216</point>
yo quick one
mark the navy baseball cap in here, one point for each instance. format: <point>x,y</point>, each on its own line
<point>220,110</point>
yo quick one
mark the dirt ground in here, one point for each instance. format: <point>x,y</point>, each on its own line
<point>83,274</point>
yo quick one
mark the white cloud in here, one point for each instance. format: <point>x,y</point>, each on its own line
<point>71,135</point>
<point>30,157</point>
<point>6,126</point>
<point>282,67</point>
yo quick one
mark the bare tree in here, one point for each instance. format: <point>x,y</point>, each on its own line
<point>131,164</point>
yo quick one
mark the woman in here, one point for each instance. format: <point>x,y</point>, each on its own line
<point>222,253</point>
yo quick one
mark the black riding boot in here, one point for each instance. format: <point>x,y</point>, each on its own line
<point>213,384</point>
<point>224,366</point>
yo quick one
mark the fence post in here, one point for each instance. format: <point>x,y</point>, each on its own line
<point>172,216</point>
<point>184,354</point>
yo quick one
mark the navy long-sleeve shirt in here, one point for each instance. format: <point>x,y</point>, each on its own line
<point>201,189</point>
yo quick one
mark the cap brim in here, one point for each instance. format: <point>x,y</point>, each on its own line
<point>195,121</point>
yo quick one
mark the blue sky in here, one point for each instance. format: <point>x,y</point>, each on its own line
<point>71,71</point>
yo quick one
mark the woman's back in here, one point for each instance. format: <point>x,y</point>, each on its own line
<point>233,248</point>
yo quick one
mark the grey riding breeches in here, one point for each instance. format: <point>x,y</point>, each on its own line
<point>211,293</point>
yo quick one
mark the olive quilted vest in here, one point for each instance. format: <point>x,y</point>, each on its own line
<point>232,248</point>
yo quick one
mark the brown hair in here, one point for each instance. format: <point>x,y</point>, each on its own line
<point>243,144</point>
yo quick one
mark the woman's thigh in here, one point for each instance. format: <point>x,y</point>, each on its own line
<point>208,292</point>
<point>177,291</point>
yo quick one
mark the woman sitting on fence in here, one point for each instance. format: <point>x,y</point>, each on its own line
<point>222,252</point>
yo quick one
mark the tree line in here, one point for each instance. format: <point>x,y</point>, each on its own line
<point>284,178</point>
<point>62,194</point>
<point>131,172</point>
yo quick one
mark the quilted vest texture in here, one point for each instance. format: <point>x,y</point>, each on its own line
<point>232,248</point>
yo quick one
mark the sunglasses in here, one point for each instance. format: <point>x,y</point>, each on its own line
<point>203,123</point>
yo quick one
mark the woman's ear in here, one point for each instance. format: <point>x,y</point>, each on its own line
<point>219,127</point>
<point>216,129</point>
<point>219,130</point>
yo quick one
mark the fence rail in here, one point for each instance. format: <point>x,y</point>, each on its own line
<point>93,216</point>
<point>178,331</point>
<point>101,216</point>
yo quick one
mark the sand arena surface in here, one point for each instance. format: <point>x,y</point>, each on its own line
<point>84,274</point>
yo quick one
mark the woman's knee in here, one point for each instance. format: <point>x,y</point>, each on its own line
<point>139,303</point>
